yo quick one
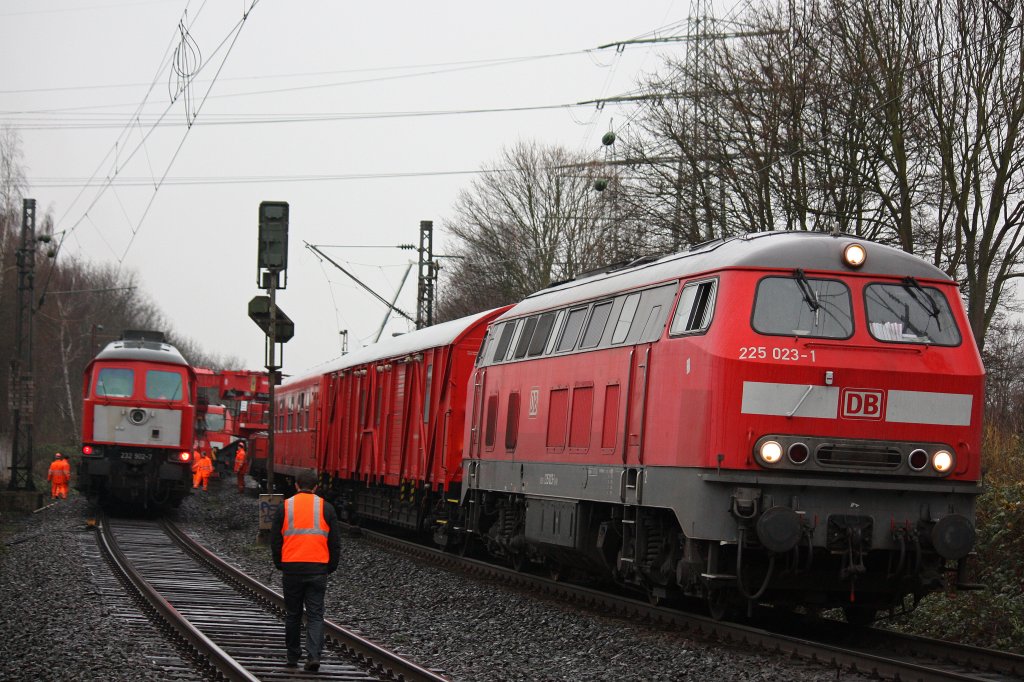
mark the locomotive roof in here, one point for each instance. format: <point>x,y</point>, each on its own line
<point>146,351</point>
<point>398,346</point>
<point>785,250</point>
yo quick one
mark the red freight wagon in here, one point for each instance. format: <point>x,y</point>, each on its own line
<point>384,424</point>
<point>787,417</point>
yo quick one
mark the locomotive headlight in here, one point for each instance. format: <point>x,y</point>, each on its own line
<point>854,255</point>
<point>184,456</point>
<point>770,452</point>
<point>942,460</point>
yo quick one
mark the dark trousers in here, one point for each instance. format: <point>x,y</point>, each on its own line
<point>304,590</point>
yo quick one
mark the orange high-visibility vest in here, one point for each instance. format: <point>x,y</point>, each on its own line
<point>240,460</point>
<point>60,471</point>
<point>305,530</point>
<point>203,465</point>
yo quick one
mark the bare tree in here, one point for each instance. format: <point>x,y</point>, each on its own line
<point>974,86</point>
<point>533,219</point>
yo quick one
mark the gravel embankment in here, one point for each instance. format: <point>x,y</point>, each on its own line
<point>56,624</point>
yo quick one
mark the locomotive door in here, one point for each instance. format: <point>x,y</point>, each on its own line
<point>479,378</point>
<point>636,416</point>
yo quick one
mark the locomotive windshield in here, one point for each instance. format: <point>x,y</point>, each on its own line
<point>114,382</point>
<point>910,313</point>
<point>162,385</point>
<point>801,306</point>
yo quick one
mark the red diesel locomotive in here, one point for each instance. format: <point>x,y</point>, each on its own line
<point>790,418</point>
<point>138,420</point>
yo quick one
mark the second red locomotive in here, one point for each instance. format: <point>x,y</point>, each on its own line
<point>138,419</point>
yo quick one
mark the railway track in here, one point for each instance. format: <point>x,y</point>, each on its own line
<point>870,651</point>
<point>232,624</point>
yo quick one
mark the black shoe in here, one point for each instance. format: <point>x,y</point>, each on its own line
<point>292,663</point>
<point>312,664</point>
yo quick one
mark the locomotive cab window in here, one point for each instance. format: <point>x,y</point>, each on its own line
<point>162,385</point>
<point>803,306</point>
<point>114,382</point>
<point>910,313</point>
<point>696,308</point>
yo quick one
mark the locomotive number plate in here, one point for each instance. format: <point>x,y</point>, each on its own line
<point>134,456</point>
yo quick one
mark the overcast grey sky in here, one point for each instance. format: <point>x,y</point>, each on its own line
<point>87,84</point>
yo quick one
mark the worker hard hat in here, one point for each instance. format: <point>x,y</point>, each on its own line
<point>58,456</point>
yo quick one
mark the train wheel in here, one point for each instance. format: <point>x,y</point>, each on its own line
<point>556,571</point>
<point>519,561</point>
<point>861,616</point>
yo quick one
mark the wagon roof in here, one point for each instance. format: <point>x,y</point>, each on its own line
<point>398,346</point>
<point>769,250</point>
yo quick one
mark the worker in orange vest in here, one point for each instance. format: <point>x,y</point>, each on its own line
<point>305,543</point>
<point>58,476</point>
<point>241,466</point>
<point>201,469</point>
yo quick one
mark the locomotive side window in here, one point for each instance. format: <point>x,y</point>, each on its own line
<point>503,341</point>
<point>512,422</point>
<point>595,328</point>
<point>651,313</point>
<point>518,324</point>
<point>492,421</point>
<point>541,334</point>
<point>625,319</point>
<point>163,385</point>
<point>115,383</point>
<point>571,331</point>
<point>910,313</point>
<point>696,307</point>
<point>800,306</point>
<point>524,339</point>
<point>559,318</point>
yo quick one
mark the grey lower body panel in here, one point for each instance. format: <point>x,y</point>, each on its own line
<point>702,499</point>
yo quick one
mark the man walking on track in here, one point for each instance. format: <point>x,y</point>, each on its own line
<point>241,466</point>
<point>58,476</point>
<point>305,542</point>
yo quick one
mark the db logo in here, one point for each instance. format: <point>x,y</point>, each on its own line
<point>861,403</point>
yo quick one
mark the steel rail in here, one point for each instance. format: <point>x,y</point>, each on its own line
<point>384,662</point>
<point>224,664</point>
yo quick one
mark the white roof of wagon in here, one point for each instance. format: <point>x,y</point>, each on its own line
<point>769,250</point>
<point>398,346</point>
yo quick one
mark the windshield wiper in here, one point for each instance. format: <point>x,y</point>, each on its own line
<point>923,299</point>
<point>806,290</point>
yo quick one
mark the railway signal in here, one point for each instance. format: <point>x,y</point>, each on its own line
<point>271,262</point>
<point>283,328</point>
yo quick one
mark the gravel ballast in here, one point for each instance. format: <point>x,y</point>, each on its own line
<point>58,624</point>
